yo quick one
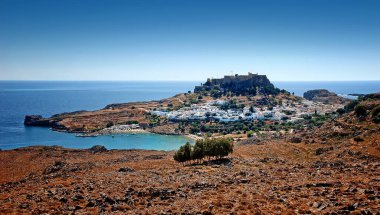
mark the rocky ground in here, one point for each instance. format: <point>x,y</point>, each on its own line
<point>275,177</point>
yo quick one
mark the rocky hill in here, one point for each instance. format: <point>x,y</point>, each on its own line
<point>324,96</point>
<point>251,84</point>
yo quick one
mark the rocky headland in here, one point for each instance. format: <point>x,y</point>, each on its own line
<point>324,96</point>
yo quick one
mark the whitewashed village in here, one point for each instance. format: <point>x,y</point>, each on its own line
<point>287,111</point>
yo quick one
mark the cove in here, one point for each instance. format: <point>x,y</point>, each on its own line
<point>43,136</point>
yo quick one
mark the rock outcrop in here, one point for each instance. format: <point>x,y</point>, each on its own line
<point>250,84</point>
<point>36,120</point>
<point>324,96</point>
<point>97,149</point>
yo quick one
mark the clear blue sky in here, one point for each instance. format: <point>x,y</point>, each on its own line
<point>288,40</point>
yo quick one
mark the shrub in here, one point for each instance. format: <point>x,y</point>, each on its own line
<point>375,111</point>
<point>109,124</point>
<point>133,122</point>
<point>376,114</point>
<point>360,110</point>
<point>340,111</point>
<point>350,106</point>
<point>249,133</point>
<point>358,139</point>
<point>376,119</point>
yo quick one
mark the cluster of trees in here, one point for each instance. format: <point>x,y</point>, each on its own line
<point>207,148</point>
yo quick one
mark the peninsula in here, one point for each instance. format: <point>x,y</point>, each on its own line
<point>238,106</point>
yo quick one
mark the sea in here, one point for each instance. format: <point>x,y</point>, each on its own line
<point>20,98</point>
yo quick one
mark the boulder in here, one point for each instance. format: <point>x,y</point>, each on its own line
<point>126,169</point>
<point>320,151</point>
<point>58,165</point>
<point>295,140</point>
<point>97,148</point>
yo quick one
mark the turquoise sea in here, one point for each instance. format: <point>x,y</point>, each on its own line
<point>19,98</point>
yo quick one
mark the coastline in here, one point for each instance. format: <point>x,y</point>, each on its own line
<point>193,137</point>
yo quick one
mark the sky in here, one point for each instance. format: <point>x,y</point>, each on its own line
<point>188,40</point>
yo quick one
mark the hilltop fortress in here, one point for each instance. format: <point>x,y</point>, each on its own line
<point>250,84</point>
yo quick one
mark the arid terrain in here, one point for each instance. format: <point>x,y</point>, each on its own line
<point>332,169</point>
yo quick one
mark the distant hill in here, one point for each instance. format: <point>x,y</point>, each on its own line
<point>251,84</point>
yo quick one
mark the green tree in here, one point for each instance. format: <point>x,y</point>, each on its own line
<point>198,151</point>
<point>187,151</point>
<point>183,154</point>
<point>179,155</point>
<point>226,146</point>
